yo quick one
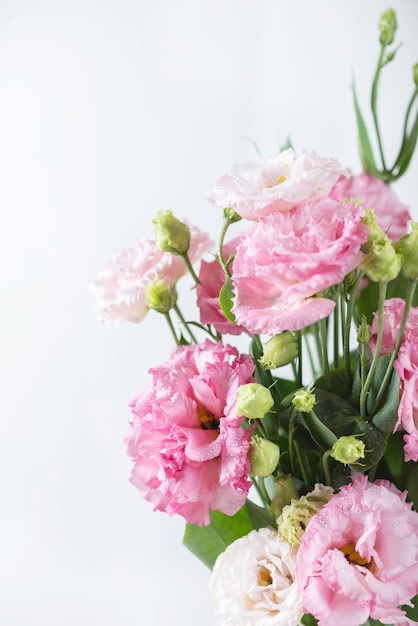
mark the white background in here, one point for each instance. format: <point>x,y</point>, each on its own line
<point>109,111</point>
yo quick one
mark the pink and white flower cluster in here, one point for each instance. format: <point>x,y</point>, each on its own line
<point>406,364</point>
<point>358,558</point>
<point>308,236</point>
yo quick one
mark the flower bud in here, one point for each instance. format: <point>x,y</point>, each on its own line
<point>264,456</point>
<point>231,215</point>
<point>278,351</point>
<point>253,401</point>
<point>160,296</point>
<point>381,263</point>
<point>364,334</point>
<point>304,401</point>
<point>296,516</point>
<point>284,492</point>
<point>407,248</point>
<point>387,27</point>
<point>348,450</point>
<point>171,235</point>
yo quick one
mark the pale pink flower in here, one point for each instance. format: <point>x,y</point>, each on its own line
<point>392,318</point>
<point>373,193</point>
<point>358,557</point>
<point>186,440</point>
<point>119,288</point>
<point>290,257</point>
<point>406,364</point>
<point>277,183</point>
<point>212,278</point>
<point>253,582</point>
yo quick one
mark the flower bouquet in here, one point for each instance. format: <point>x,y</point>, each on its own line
<point>299,488</point>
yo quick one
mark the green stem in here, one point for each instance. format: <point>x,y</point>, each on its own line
<point>183,321</point>
<point>189,266</point>
<point>410,290</point>
<point>171,326</point>
<point>221,258</point>
<point>373,366</point>
<point>262,492</point>
<point>310,356</point>
<point>336,319</point>
<point>291,444</point>
<point>299,370</point>
<point>327,474</point>
<point>374,104</point>
<point>347,327</point>
<point>303,464</point>
<point>324,341</point>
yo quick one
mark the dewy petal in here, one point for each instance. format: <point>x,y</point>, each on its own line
<point>277,183</point>
<point>238,583</point>
<point>376,520</point>
<point>288,258</point>
<point>189,449</point>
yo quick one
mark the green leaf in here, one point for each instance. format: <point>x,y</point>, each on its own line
<point>412,611</point>
<point>412,483</point>
<point>225,299</point>
<point>207,542</point>
<point>375,445</point>
<point>259,516</point>
<point>407,150</point>
<point>387,416</point>
<point>308,620</point>
<point>365,148</point>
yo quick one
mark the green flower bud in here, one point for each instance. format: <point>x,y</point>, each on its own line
<point>253,401</point>
<point>415,73</point>
<point>364,334</point>
<point>381,264</point>
<point>284,492</point>
<point>304,401</point>
<point>348,450</point>
<point>264,456</point>
<point>387,25</point>
<point>171,235</point>
<point>279,350</point>
<point>296,516</point>
<point>407,248</point>
<point>160,296</point>
<point>231,215</point>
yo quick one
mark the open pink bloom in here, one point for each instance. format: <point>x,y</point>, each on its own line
<point>120,287</point>
<point>186,440</point>
<point>358,557</point>
<point>212,278</point>
<point>290,257</point>
<point>406,364</point>
<point>373,193</point>
<point>276,183</point>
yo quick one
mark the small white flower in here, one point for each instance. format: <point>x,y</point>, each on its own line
<point>253,582</point>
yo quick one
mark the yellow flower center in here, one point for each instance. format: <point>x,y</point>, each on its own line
<point>353,556</point>
<point>264,577</point>
<point>208,421</point>
<point>281,180</point>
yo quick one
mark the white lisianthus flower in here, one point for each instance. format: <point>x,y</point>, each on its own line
<point>253,582</point>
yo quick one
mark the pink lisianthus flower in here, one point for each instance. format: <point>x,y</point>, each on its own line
<point>373,193</point>
<point>186,440</point>
<point>358,557</point>
<point>276,183</point>
<point>290,257</point>
<point>119,288</point>
<point>406,364</point>
<point>212,278</point>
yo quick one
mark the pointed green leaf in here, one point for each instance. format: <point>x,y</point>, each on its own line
<point>225,299</point>
<point>207,542</point>
<point>259,516</point>
<point>365,148</point>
